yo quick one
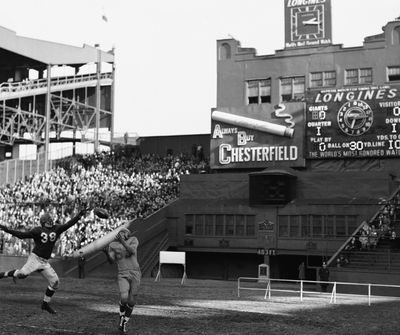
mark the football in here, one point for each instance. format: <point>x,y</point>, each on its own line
<point>101,213</point>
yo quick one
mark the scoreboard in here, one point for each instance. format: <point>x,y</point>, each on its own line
<point>358,122</point>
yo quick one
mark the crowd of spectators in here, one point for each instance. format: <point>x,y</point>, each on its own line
<point>128,187</point>
<point>382,228</point>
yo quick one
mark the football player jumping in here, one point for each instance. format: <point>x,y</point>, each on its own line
<point>45,238</point>
<point>123,251</point>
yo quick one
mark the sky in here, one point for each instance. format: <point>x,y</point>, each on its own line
<point>165,51</point>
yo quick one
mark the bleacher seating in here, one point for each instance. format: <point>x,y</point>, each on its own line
<point>128,187</point>
<point>378,249</point>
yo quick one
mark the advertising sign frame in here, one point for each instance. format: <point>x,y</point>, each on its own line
<point>257,136</point>
<point>353,122</point>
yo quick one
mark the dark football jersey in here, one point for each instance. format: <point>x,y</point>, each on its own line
<point>45,238</point>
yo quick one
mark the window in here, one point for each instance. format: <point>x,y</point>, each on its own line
<point>292,89</point>
<point>305,226</point>
<point>250,225</point>
<point>329,225</point>
<point>330,78</point>
<point>351,77</point>
<point>396,35</point>
<point>209,225</point>
<point>199,226</point>
<point>239,225</point>
<point>366,76</point>
<point>283,226</point>
<point>393,73</point>
<point>224,51</point>
<point>230,225</point>
<point>219,225</point>
<point>340,225</point>
<point>316,79</point>
<point>259,91</point>
<point>358,76</point>
<point>323,79</point>
<point>295,226</point>
<point>317,225</point>
<point>189,224</point>
<point>352,223</point>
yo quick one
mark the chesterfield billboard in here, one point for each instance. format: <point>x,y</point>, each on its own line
<point>357,122</point>
<point>257,136</point>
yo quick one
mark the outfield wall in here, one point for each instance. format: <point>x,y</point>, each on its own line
<point>324,189</point>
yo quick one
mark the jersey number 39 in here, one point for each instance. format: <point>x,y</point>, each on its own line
<point>48,237</point>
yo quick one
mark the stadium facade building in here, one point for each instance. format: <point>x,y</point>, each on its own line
<point>305,145</point>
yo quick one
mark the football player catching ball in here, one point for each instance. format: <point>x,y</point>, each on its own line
<point>123,251</point>
<point>45,238</point>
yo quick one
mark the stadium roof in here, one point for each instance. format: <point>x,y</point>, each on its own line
<point>49,52</point>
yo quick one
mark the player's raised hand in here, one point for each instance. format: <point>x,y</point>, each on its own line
<point>90,204</point>
<point>84,208</point>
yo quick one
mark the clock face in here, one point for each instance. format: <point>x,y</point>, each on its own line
<point>307,23</point>
<point>355,117</point>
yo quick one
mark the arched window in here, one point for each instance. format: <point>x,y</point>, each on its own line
<point>396,35</point>
<point>224,51</point>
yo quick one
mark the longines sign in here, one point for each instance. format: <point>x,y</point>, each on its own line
<point>353,123</point>
<point>308,23</point>
<point>294,3</point>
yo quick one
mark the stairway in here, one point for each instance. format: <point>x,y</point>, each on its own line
<point>379,265</point>
<point>382,259</point>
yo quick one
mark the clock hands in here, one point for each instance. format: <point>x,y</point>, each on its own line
<point>312,21</point>
<point>355,115</point>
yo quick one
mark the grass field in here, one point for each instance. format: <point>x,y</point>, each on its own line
<point>89,306</point>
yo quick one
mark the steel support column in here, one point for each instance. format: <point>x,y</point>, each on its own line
<point>47,132</point>
<point>98,102</point>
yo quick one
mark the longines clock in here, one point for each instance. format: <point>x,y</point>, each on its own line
<point>307,23</point>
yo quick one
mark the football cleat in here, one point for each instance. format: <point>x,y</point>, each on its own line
<point>46,307</point>
<point>122,326</point>
<point>2,275</point>
<point>121,322</point>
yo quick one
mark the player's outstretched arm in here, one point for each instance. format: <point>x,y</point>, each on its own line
<point>73,221</point>
<point>17,233</point>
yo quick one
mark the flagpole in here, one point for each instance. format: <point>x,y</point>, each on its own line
<point>112,103</point>
<point>98,100</point>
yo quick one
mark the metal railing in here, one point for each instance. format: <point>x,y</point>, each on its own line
<point>298,288</point>
<point>28,85</point>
